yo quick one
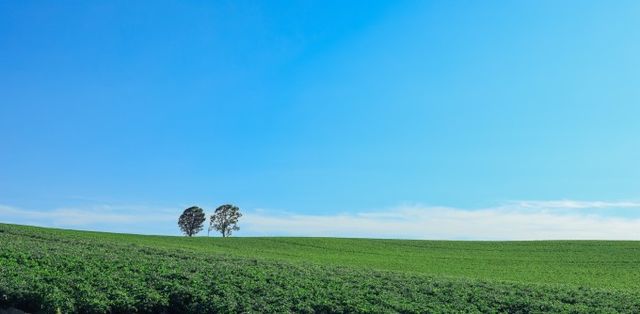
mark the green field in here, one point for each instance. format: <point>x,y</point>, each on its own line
<point>49,270</point>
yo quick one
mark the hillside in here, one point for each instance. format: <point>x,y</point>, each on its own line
<point>46,270</point>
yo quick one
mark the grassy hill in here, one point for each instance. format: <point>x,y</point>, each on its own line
<point>49,270</point>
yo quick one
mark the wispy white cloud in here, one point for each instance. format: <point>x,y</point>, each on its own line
<point>524,220</point>
<point>514,220</point>
<point>573,204</point>
<point>97,214</point>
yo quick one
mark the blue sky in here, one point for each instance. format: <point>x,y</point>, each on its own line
<point>314,116</point>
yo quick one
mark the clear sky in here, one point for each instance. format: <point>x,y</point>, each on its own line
<point>335,118</point>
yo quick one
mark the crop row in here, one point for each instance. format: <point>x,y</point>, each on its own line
<point>52,273</point>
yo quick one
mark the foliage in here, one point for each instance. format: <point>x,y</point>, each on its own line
<point>49,270</point>
<point>191,220</point>
<point>225,219</point>
<point>594,264</point>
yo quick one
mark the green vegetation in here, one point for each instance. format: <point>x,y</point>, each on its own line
<point>191,220</point>
<point>225,219</point>
<point>49,270</point>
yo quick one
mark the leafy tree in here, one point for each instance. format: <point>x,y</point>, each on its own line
<point>191,220</point>
<point>225,219</point>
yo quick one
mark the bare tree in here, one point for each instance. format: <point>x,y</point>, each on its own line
<point>191,221</point>
<point>225,219</point>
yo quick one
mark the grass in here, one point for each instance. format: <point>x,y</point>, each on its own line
<point>595,264</point>
<point>45,270</point>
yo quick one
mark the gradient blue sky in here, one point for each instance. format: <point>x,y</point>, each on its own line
<point>319,110</point>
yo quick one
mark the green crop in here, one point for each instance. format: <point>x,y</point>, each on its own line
<point>50,270</point>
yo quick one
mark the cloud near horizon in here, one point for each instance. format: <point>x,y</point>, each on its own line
<point>515,220</point>
<point>101,217</point>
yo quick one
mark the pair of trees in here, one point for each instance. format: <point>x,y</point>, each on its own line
<point>224,219</point>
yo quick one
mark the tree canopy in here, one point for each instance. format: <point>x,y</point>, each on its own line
<point>225,219</point>
<point>191,221</point>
